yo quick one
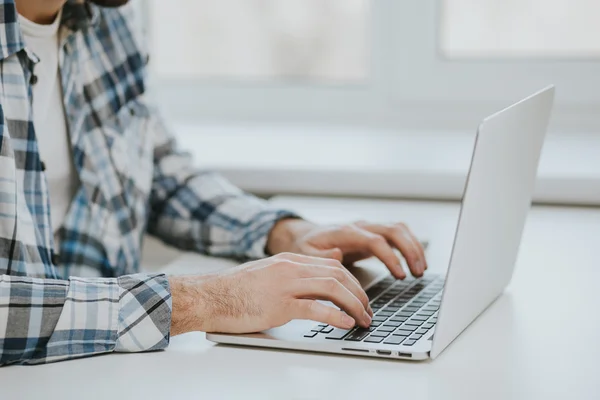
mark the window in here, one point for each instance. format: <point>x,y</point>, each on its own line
<point>525,28</point>
<point>307,40</point>
<point>403,64</point>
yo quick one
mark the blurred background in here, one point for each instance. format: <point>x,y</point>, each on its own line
<point>377,98</point>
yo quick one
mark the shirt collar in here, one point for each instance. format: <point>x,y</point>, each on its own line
<point>77,15</point>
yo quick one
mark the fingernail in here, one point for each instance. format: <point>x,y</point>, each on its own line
<point>348,321</point>
<point>367,318</point>
<point>400,269</point>
<point>370,310</point>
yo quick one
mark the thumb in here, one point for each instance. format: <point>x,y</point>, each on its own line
<point>335,253</point>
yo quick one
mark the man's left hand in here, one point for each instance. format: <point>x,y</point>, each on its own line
<point>350,243</point>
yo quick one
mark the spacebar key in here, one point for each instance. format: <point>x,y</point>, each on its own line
<point>337,334</point>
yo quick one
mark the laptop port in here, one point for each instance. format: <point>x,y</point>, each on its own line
<point>407,355</point>
<point>357,350</point>
<point>384,352</point>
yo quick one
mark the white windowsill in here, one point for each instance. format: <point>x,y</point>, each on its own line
<point>358,162</point>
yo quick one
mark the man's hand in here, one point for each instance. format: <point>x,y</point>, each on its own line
<point>269,293</point>
<point>350,243</point>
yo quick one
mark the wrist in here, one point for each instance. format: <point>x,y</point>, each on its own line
<point>188,314</point>
<point>284,235</point>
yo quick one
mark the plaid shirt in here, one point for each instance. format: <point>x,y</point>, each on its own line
<point>132,180</point>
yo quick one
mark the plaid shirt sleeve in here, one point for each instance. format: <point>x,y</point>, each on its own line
<point>199,210</point>
<point>202,211</point>
<point>45,320</point>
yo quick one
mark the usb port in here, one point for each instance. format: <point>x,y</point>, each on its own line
<point>384,352</point>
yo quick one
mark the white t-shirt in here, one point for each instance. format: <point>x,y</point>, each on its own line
<point>49,118</point>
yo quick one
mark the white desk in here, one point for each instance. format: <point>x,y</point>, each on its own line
<point>538,341</point>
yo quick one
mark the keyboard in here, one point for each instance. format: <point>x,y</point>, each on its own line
<point>404,312</point>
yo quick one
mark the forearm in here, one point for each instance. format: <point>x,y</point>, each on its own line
<point>201,211</point>
<point>81,317</point>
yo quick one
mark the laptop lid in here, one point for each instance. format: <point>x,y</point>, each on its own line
<point>495,204</point>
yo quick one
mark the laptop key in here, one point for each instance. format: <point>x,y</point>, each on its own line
<point>327,330</point>
<point>395,340</point>
<point>386,328</point>
<point>357,335</point>
<point>337,334</point>
<point>373,339</point>
<point>416,337</point>
<point>422,331</point>
<point>394,324</point>
<point>409,342</point>
<point>375,324</point>
<point>409,328</point>
<point>428,325</point>
<point>310,334</point>
<point>419,318</point>
<point>398,319</point>
<point>379,333</point>
<point>413,323</point>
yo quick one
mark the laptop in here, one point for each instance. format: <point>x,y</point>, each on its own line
<point>416,319</point>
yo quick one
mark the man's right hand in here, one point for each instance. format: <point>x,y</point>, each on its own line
<point>268,293</point>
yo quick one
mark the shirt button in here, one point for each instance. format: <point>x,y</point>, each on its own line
<point>43,165</point>
<point>33,80</point>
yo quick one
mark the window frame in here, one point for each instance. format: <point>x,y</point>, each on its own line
<point>429,92</point>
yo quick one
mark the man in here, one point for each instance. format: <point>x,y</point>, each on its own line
<point>86,168</point>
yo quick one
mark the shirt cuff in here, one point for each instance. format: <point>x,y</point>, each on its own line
<point>261,226</point>
<point>145,307</point>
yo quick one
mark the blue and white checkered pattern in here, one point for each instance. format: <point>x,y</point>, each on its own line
<point>132,180</point>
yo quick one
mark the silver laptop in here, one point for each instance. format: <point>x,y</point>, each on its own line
<point>418,318</point>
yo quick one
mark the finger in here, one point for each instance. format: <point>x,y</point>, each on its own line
<point>335,263</point>
<point>380,248</point>
<point>335,269</point>
<point>420,247</point>
<point>342,275</point>
<point>315,311</point>
<point>403,239</point>
<point>335,253</point>
<point>360,240</point>
<point>409,246</point>
<point>308,259</point>
<point>332,290</point>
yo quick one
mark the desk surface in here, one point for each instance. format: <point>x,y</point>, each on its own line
<point>538,341</point>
